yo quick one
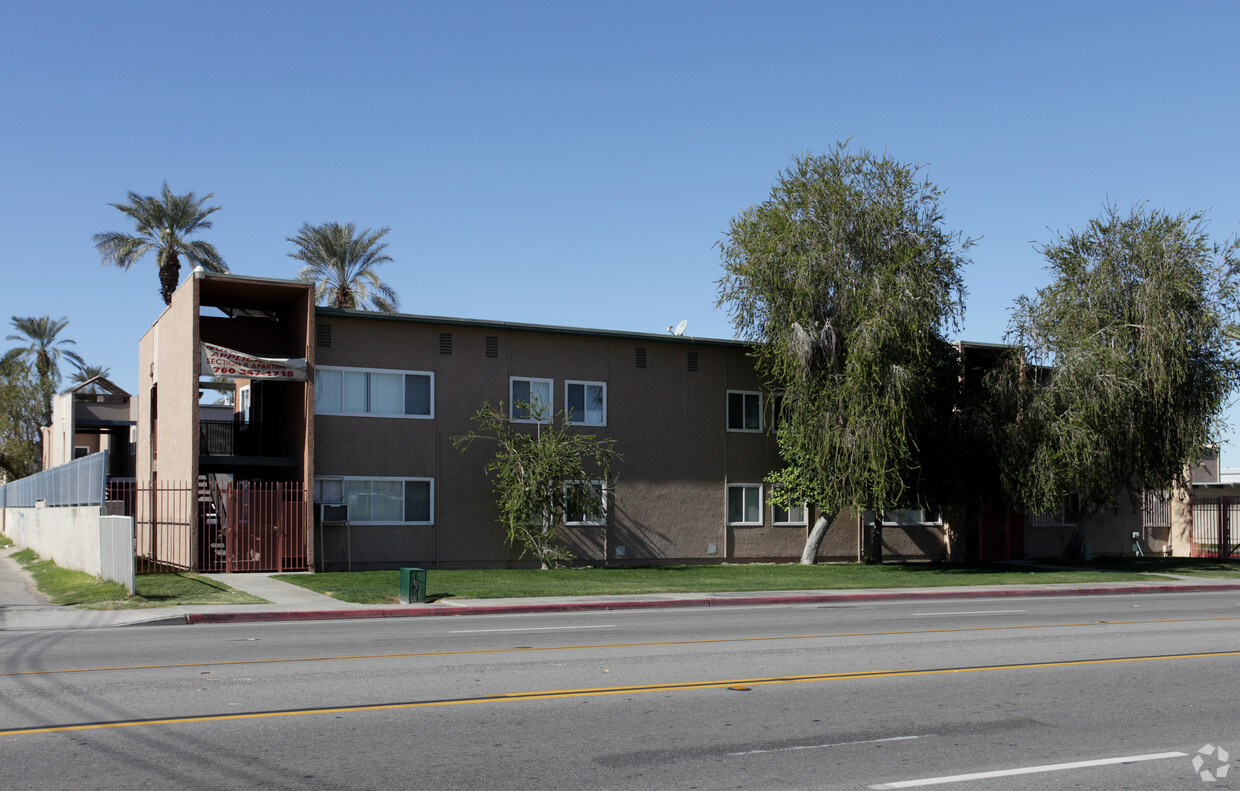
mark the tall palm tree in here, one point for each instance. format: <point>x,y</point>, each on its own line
<point>41,345</point>
<point>44,349</point>
<point>341,262</point>
<point>164,225</point>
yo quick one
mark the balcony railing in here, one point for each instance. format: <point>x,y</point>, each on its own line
<point>229,438</point>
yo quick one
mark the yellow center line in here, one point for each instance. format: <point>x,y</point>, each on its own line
<point>586,647</point>
<point>554,694</point>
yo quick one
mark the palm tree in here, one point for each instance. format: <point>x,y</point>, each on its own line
<point>164,225</point>
<point>85,373</point>
<point>42,347</point>
<point>341,263</point>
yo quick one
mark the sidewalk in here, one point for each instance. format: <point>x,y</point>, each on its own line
<point>21,608</point>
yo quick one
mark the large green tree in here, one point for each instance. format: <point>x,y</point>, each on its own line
<point>1127,361</point>
<point>847,282</point>
<point>341,262</point>
<point>20,416</point>
<point>163,225</point>
<point>542,472</point>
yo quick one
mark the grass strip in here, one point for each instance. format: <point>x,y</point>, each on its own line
<point>1187,567</point>
<point>380,587</point>
<point>86,591</point>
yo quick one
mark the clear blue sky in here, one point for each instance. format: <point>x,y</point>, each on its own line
<point>575,163</point>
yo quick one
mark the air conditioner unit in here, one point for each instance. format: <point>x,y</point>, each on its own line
<point>330,513</point>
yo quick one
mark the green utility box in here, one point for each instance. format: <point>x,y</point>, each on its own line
<point>413,586</point>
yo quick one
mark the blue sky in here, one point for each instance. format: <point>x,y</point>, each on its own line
<point>576,163</point>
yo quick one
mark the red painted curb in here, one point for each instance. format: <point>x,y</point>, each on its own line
<point>434,610</point>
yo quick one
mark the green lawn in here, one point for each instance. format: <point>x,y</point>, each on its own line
<point>379,587</point>
<point>83,590</point>
<point>1190,567</point>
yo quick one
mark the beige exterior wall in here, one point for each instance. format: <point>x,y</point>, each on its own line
<point>168,388</point>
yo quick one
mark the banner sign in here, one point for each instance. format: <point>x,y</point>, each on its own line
<point>218,361</point>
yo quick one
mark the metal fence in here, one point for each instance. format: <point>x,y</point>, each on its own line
<point>79,482</point>
<point>243,526</point>
<point>1213,518</point>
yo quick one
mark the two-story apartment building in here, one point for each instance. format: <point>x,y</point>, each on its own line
<point>371,424</point>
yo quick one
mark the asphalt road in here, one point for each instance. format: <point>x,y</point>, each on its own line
<point>1105,692</point>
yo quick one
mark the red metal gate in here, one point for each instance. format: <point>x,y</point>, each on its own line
<point>253,526</point>
<point>1212,521</point>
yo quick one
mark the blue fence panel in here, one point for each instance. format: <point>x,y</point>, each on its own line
<point>79,482</point>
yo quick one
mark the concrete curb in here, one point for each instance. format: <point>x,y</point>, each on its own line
<point>434,610</point>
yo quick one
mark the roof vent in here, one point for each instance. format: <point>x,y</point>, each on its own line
<point>692,363</point>
<point>492,346</point>
<point>445,343</point>
<point>323,335</point>
<point>641,357</point>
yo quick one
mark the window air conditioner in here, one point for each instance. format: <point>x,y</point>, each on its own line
<point>333,512</point>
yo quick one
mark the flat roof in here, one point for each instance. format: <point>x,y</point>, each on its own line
<point>650,337</point>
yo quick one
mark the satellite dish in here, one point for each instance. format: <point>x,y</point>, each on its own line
<point>680,328</point>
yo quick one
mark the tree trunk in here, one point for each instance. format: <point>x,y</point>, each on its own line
<point>809,556</point>
<point>872,541</point>
<point>169,277</point>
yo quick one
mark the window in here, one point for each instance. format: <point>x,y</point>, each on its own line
<point>585,503</point>
<point>744,411</point>
<point>80,450</point>
<point>375,392</point>
<point>383,501</point>
<point>744,504</point>
<point>906,516</point>
<point>792,515</point>
<point>1068,513</point>
<point>586,402</point>
<point>527,394</point>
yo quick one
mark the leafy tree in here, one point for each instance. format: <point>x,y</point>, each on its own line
<point>20,435</point>
<point>341,262</point>
<point>846,281</point>
<point>1128,361</point>
<point>163,226</point>
<point>536,469</point>
<point>43,348</point>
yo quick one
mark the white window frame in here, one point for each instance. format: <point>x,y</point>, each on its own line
<point>244,402</point>
<point>319,479</point>
<point>402,373</point>
<point>727,505</point>
<point>775,509</point>
<point>601,486</point>
<point>727,411</point>
<point>585,384</point>
<point>512,402</point>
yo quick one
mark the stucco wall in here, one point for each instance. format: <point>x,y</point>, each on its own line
<point>68,536</point>
<point>669,422</point>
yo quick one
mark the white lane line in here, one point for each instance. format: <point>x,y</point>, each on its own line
<point>820,746</point>
<point>534,628</point>
<point>1027,770</point>
<point>971,612</point>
